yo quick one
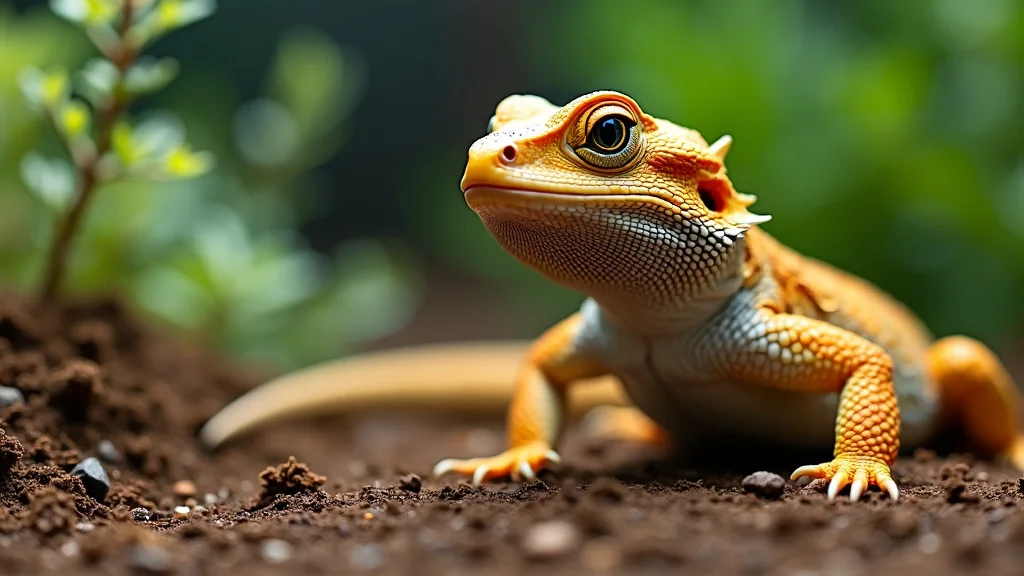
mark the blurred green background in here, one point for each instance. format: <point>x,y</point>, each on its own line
<point>884,137</point>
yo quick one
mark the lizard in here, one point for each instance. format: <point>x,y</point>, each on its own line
<point>704,324</point>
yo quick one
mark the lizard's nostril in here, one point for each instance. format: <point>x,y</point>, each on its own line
<point>508,154</point>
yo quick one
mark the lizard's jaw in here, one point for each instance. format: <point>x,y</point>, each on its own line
<point>627,250</point>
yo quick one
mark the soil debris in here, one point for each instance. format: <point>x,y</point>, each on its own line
<point>10,452</point>
<point>291,477</point>
<point>411,483</point>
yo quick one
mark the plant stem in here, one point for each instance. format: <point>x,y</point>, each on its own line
<point>88,177</point>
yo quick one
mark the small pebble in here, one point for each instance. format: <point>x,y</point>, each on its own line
<point>147,558</point>
<point>93,477</point>
<point>69,548</point>
<point>366,557</point>
<point>368,516</point>
<point>181,512</point>
<point>108,452</point>
<point>141,514</point>
<point>765,485</point>
<point>411,483</point>
<point>981,476</point>
<point>210,499</point>
<point>550,540</point>
<point>10,396</point>
<point>275,551</point>
<point>184,489</point>
<point>85,527</point>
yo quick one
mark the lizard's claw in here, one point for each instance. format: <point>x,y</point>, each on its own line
<point>859,472</point>
<point>521,462</point>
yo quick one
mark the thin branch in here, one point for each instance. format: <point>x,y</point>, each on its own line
<point>88,173</point>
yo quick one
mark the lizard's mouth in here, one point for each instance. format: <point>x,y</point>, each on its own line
<point>482,196</point>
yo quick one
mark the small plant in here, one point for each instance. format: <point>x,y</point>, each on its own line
<point>89,114</point>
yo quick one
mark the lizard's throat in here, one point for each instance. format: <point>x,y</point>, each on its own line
<point>628,255</point>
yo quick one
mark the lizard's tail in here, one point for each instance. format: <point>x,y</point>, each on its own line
<point>466,377</point>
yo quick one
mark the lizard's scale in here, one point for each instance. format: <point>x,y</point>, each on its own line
<point>712,326</point>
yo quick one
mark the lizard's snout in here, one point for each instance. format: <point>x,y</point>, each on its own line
<point>487,157</point>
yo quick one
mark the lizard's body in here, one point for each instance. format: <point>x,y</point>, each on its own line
<point>712,326</point>
<point>665,378</point>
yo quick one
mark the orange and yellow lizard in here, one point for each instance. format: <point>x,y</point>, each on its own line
<point>710,326</point>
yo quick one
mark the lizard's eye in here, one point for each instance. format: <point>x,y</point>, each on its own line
<point>609,135</point>
<point>490,125</point>
<point>612,138</point>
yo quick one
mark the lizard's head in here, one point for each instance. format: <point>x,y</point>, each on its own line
<point>603,198</point>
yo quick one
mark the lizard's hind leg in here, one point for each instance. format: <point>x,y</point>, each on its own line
<point>624,423</point>
<point>978,396</point>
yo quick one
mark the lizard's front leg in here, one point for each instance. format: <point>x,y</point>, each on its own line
<point>801,354</point>
<point>538,408</point>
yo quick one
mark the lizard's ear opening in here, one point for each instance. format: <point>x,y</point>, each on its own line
<point>708,197</point>
<point>721,200</point>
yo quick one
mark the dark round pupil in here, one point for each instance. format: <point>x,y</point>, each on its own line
<point>609,133</point>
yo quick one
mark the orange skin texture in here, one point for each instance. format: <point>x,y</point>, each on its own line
<point>808,327</point>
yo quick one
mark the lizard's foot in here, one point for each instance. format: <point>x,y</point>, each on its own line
<point>859,472</point>
<point>519,462</point>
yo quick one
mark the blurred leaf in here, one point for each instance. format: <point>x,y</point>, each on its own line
<point>149,75</point>
<point>369,295</point>
<point>52,181</point>
<point>178,13</point>
<point>175,297</point>
<point>181,162</point>
<point>277,278</point>
<point>143,149</point>
<point>223,245</point>
<point>73,118</point>
<point>266,133</point>
<point>96,81</point>
<point>44,89</point>
<point>86,11</point>
<point>312,78</point>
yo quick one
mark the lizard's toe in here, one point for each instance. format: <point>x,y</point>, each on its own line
<point>857,472</point>
<point>521,462</point>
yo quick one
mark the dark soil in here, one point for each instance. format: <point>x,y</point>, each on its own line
<point>97,383</point>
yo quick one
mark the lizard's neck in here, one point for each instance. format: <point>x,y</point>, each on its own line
<point>648,276</point>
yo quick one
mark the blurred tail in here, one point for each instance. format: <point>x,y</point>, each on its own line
<point>464,377</point>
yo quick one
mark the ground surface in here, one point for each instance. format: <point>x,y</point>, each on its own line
<point>98,384</point>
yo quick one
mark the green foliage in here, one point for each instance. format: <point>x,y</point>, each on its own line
<point>209,248</point>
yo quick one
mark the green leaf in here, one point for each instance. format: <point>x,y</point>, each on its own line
<point>152,139</point>
<point>176,297</point>
<point>266,133</point>
<point>86,11</point>
<point>314,80</point>
<point>97,80</point>
<point>168,15</point>
<point>181,162</point>
<point>150,74</point>
<point>73,119</point>
<point>44,90</point>
<point>51,181</point>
